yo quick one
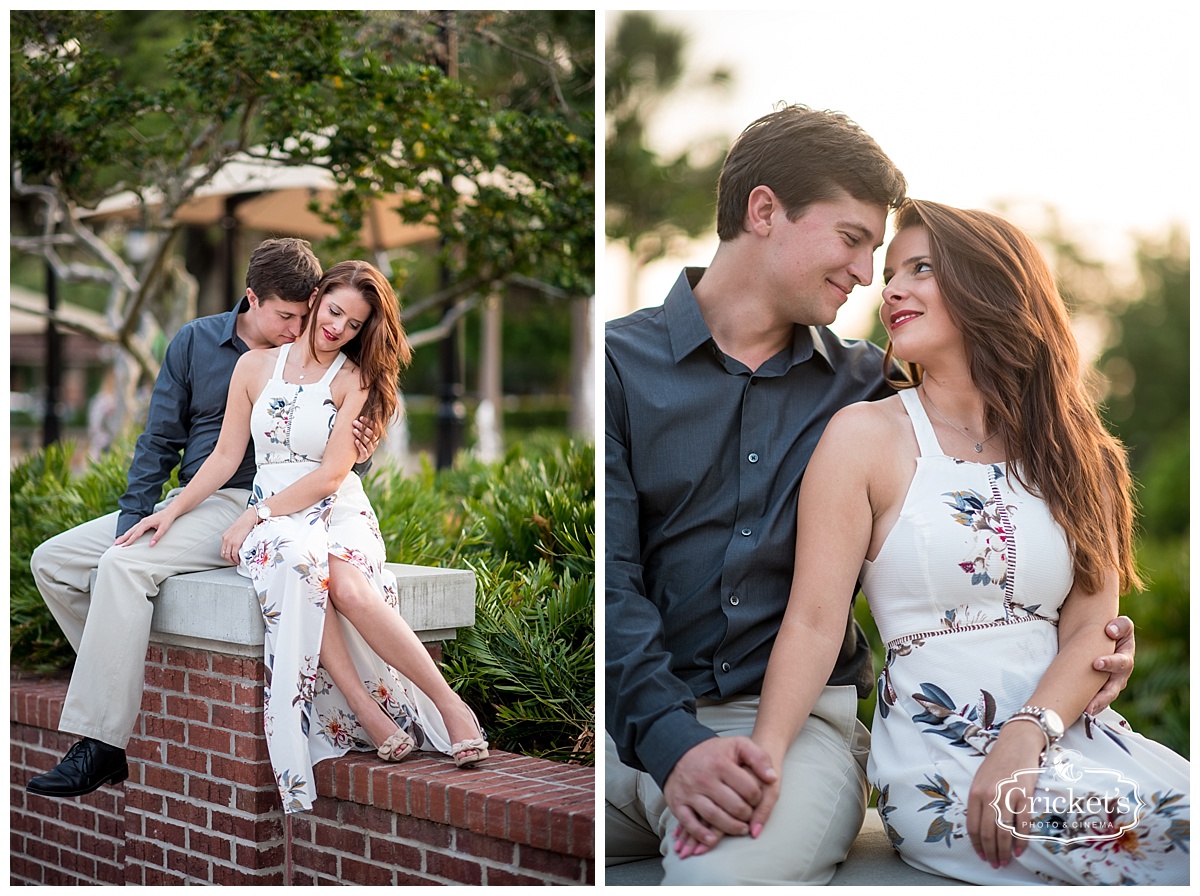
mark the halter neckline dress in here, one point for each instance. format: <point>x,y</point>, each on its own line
<point>966,592</point>
<point>306,718</point>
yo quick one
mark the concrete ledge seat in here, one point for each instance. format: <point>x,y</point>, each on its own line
<point>217,609</point>
<point>871,862</point>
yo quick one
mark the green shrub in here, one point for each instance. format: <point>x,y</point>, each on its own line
<point>525,525</point>
<point>46,498</point>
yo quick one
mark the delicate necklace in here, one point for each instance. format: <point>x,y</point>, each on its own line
<point>304,367</point>
<point>978,445</point>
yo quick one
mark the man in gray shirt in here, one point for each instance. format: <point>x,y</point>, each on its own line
<point>108,624</point>
<point>714,402</point>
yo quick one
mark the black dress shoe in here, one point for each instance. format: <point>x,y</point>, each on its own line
<point>87,766</point>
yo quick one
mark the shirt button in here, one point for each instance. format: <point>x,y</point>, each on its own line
<point>746,532</point>
<point>733,599</point>
<point>724,667</point>
<point>753,458</point>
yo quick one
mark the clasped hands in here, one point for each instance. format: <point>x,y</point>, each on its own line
<point>723,785</point>
<point>729,785</point>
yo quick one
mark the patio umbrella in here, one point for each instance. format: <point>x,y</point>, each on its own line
<point>263,195</point>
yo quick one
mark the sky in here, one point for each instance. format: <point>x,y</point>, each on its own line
<point>1086,108</point>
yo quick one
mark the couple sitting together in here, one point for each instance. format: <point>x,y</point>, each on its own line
<point>272,431</point>
<point>759,470</point>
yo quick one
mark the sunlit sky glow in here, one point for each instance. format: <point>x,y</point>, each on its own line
<point>1080,106</point>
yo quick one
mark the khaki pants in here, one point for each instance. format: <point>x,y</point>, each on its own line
<point>109,624</point>
<point>819,813</point>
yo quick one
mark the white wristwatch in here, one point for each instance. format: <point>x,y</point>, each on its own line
<point>1046,719</point>
<point>263,511</point>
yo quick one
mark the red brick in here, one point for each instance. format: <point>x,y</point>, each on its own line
<point>159,830</point>
<point>365,874</point>
<point>250,696</point>
<point>154,701</point>
<point>368,818</point>
<point>23,870</point>
<point>164,728</point>
<point>255,774</point>
<point>113,875</point>
<point>182,757</point>
<point>240,721</point>
<point>256,800</point>
<point>161,778</point>
<point>503,877</point>
<point>63,836</point>
<point>209,791</point>
<point>237,666</point>
<point>46,853</point>
<point>344,839</point>
<point>540,860</point>
<point>25,823</point>
<point>454,868</point>
<point>253,747</point>
<point>260,858</point>
<point>188,658</point>
<point>234,825</point>
<point>395,855</point>
<point>166,678</point>
<point>97,848</point>
<point>501,851</point>
<point>187,708</point>
<point>212,740</point>
<point>144,852</point>
<point>82,866</point>
<point>186,811</point>
<point>202,685</point>
<point>209,845</point>
<point>318,860</point>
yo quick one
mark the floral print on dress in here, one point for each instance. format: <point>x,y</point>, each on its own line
<point>305,717</point>
<point>963,655</point>
<point>987,564</point>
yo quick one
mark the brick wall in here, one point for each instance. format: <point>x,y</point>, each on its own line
<point>200,804</point>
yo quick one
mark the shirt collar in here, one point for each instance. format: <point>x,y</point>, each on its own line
<point>688,331</point>
<point>229,325</point>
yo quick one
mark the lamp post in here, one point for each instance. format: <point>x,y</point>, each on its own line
<point>51,430</point>
<point>450,413</point>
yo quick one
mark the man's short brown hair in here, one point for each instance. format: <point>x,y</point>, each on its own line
<point>804,156</point>
<point>284,269</point>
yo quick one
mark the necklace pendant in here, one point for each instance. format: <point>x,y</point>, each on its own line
<point>978,448</point>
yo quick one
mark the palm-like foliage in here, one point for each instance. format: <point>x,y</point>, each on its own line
<point>525,525</point>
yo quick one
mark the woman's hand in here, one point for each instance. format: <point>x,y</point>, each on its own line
<point>159,522</point>
<point>235,535</point>
<point>991,828</point>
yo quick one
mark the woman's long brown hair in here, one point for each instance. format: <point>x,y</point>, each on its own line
<point>380,348</point>
<point>1001,295</point>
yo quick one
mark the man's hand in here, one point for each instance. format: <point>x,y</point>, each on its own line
<point>365,439</point>
<point>1119,664</point>
<point>715,787</point>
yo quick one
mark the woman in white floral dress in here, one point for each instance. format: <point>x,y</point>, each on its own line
<point>344,671</point>
<point>987,513</point>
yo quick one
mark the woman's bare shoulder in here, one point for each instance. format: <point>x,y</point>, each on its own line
<point>868,420</point>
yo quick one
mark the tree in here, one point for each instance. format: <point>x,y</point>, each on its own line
<point>510,190</point>
<point>652,203</point>
<point>1148,368</point>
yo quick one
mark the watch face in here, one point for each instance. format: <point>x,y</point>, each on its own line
<point>263,511</point>
<point>1054,725</point>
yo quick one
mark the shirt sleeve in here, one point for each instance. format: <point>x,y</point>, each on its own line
<point>157,451</point>
<point>650,712</point>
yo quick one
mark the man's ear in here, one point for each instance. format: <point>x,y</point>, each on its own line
<point>312,298</point>
<point>761,206</point>
<point>254,300</point>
